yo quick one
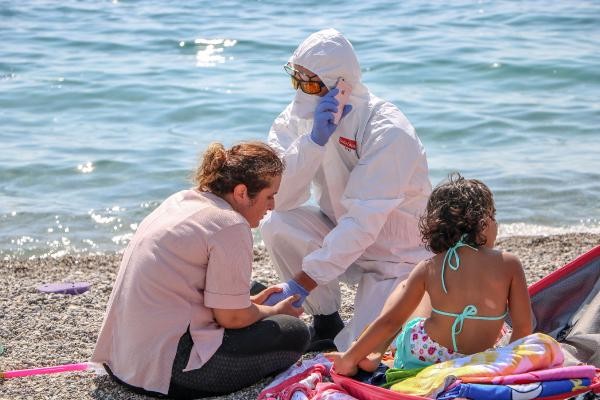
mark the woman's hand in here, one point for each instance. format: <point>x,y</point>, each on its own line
<point>341,364</point>
<point>286,306</point>
<point>262,296</point>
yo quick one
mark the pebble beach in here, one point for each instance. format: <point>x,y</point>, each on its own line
<point>39,329</point>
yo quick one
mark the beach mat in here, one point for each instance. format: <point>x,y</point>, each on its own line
<point>566,306</point>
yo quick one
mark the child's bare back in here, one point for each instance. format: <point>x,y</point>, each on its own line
<point>483,279</point>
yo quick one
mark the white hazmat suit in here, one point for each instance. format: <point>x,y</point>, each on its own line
<point>370,182</point>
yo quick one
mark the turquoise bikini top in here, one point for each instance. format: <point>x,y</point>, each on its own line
<point>470,311</point>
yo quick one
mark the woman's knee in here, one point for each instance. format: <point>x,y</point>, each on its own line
<point>275,333</point>
<point>294,332</point>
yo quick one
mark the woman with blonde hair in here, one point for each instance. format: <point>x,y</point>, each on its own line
<point>180,320</point>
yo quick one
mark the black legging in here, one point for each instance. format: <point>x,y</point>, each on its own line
<point>246,356</point>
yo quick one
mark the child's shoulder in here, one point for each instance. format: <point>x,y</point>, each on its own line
<point>507,259</point>
<point>423,267</point>
<point>428,262</point>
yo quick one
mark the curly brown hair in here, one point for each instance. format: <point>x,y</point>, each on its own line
<point>248,163</point>
<point>455,208</point>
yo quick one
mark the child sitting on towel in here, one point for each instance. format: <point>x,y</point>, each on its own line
<point>471,286</point>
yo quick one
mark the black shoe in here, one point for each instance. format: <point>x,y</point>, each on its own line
<point>323,330</point>
<point>321,346</point>
<point>328,326</point>
<point>256,287</point>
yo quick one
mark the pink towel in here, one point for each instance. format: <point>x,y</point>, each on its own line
<point>551,374</point>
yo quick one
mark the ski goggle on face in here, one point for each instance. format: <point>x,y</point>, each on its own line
<point>302,81</point>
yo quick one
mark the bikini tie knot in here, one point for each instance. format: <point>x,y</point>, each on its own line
<point>468,311</point>
<point>452,254</point>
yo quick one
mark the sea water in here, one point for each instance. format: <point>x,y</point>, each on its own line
<point>105,106</point>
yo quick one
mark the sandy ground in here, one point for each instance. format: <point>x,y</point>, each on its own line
<point>41,330</point>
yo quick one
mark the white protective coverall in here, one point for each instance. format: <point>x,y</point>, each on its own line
<point>371,184</point>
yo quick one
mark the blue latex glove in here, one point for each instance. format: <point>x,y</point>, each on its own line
<point>323,126</point>
<point>290,288</point>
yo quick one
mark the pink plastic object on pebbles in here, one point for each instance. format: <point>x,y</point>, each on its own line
<point>45,370</point>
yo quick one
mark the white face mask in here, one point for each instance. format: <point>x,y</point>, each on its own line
<point>304,105</point>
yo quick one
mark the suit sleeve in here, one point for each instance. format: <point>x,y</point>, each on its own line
<point>379,184</point>
<point>302,158</point>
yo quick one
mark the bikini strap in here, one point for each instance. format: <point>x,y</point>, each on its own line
<point>453,253</point>
<point>469,312</point>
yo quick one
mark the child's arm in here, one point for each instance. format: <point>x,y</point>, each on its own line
<point>398,307</point>
<point>519,303</point>
<point>372,360</point>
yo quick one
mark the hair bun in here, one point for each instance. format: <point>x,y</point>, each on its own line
<point>214,158</point>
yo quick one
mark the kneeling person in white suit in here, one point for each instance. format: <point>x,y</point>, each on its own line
<point>370,178</point>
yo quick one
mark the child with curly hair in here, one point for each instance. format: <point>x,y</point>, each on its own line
<point>471,286</point>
